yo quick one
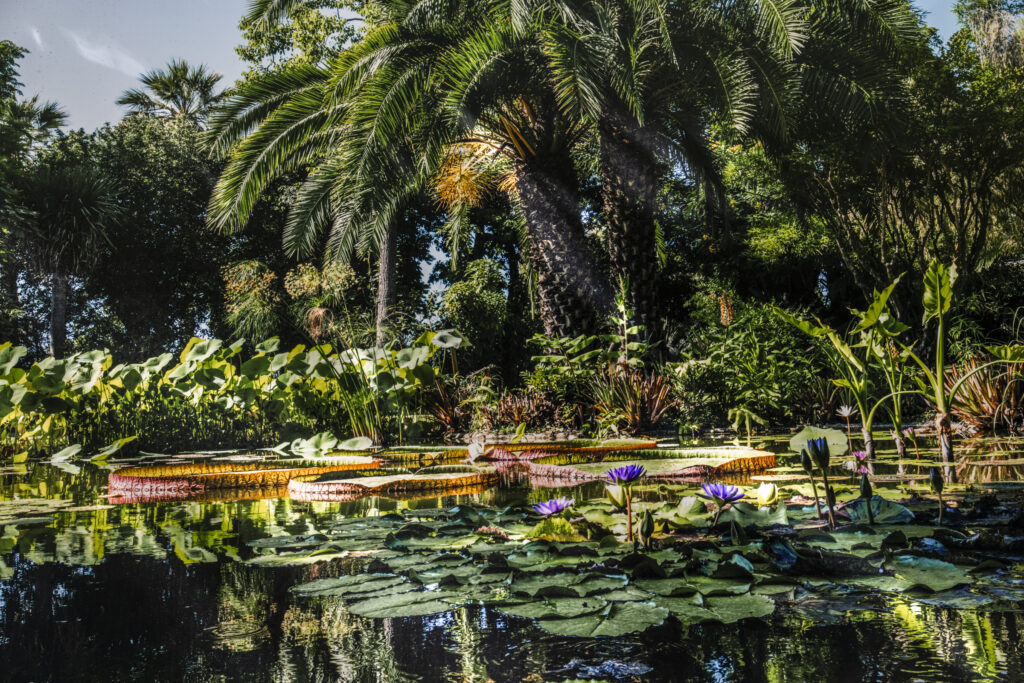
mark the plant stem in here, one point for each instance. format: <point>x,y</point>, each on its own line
<point>828,503</point>
<point>629,515</point>
<point>814,488</point>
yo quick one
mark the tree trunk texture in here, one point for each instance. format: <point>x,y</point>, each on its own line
<point>58,314</point>
<point>385,285</point>
<point>9,282</point>
<point>574,298</point>
<point>629,185</point>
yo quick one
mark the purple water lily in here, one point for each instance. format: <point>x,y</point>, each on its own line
<point>908,431</point>
<point>554,506</point>
<point>721,495</point>
<point>861,462</point>
<point>625,475</point>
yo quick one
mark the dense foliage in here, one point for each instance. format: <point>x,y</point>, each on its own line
<point>384,169</point>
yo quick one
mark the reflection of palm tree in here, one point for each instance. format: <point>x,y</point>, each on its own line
<point>179,91</point>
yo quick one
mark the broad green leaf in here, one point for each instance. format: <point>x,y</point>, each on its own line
<point>836,438</point>
<point>938,289</point>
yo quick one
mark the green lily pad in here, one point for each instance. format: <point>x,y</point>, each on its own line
<point>558,608</point>
<point>746,514</point>
<point>729,609</point>
<point>885,511</point>
<point>616,619</point>
<point>355,585</point>
<point>837,442</point>
<point>404,604</point>
<point>928,573</point>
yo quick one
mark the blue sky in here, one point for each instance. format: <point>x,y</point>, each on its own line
<point>85,53</point>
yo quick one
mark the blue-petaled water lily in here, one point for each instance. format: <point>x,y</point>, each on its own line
<point>721,495</point>
<point>624,477</point>
<point>554,506</point>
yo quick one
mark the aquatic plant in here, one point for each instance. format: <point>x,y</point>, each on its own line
<point>554,506</point>
<point>625,477</point>
<point>647,528</point>
<point>721,495</point>
<point>808,465</point>
<point>937,483</point>
<point>767,494</point>
<point>819,452</point>
<point>866,493</point>
<point>860,462</point>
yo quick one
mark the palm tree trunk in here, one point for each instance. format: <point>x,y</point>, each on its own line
<point>629,186</point>
<point>574,299</point>
<point>9,282</point>
<point>385,285</point>
<point>58,314</point>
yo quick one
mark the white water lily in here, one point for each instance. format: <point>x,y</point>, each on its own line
<point>767,494</point>
<point>846,411</point>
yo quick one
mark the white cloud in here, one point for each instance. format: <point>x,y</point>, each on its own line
<point>36,36</point>
<point>109,56</point>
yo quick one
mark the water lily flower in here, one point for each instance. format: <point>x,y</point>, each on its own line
<point>767,494</point>
<point>721,495</point>
<point>860,462</point>
<point>554,506</point>
<point>616,495</point>
<point>625,475</point>
<point>866,493</point>
<point>818,448</point>
<point>846,411</point>
<point>908,431</point>
<point>808,465</point>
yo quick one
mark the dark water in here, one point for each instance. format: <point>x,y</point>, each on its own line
<point>157,591</point>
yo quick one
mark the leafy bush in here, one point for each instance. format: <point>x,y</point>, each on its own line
<point>754,369</point>
<point>212,397</point>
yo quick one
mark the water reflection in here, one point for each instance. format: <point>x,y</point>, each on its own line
<point>90,590</point>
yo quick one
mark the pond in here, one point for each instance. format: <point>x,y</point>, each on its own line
<point>192,589</point>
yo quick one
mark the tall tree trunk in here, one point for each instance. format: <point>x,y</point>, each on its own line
<point>629,186</point>
<point>574,298</point>
<point>385,285</point>
<point>9,282</point>
<point>58,314</point>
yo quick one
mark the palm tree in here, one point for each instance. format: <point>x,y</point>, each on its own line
<point>71,210</point>
<point>434,80</point>
<point>652,77</point>
<point>179,91</point>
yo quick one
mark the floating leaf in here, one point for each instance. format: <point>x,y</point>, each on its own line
<point>885,511</point>
<point>404,604</point>
<point>616,619</point>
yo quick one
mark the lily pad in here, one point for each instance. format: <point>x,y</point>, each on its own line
<point>885,511</point>
<point>616,619</point>
<point>405,604</point>
<point>928,573</point>
<point>558,608</point>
